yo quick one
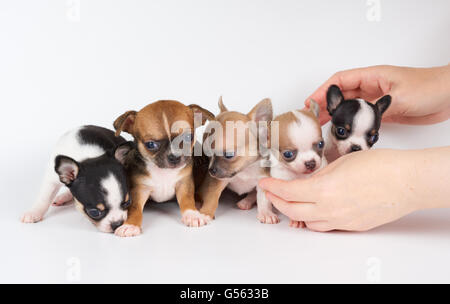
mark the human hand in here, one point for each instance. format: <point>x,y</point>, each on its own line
<point>419,95</point>
<point>360,191</point>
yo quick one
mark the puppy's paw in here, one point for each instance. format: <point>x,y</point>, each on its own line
<point>31,217</point>
<point>268,217</point>
<point>63,199</point>
<point>127,230</point>
<point>245,204</point>
<point>296,224</point>
<point>193,218</point>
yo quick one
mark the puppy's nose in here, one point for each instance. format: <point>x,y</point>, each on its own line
<point>173,159</point>
<point>213,170</point>
<point>355,148</point>
<point>310,165</point>
<point>115,225</point>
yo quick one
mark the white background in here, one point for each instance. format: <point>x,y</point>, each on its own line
<point>59,70</point>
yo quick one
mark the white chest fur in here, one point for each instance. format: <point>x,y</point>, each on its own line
<point>162,182</point>
<point>246,180</point>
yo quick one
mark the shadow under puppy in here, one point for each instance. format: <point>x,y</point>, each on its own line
<point>161,166</point>
<point>88,160</point>
<point>235,152</point>
<point>354,123</point>
<point>299,150</point>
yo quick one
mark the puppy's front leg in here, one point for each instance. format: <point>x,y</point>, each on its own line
<point>50,188</point>
<point>248,201</point>
<point>132,226</point>
<point>265,213</point>
<point>185,191</point>
<point>210,192</point>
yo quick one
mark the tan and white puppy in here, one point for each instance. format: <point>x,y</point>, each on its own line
<point>300,147</point>
<point>161,166</point>
<point>235,149</point>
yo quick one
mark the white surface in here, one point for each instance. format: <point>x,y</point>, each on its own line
<point>57,73</point>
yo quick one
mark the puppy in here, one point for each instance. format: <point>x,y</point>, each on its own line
<point>88,161</point>
<point>300,148</point>
<point>235,149</point>
<point>354,123</point>
<point>161,165</point>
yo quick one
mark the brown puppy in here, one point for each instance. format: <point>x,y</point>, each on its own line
<point>161,165</point>
<point>236,150</point>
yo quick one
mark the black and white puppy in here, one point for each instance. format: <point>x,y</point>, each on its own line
<point>88,160</point>
<point>354,123</point>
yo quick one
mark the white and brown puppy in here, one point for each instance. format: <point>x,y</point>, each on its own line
<point>87,161</point>
<point>354,123</point>
<point>298,152</point>
<point>235,149</point>
<point>161,166</point>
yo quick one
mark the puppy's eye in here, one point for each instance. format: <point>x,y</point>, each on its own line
<point>321,144</point>
<point>373,139</point>
<point>152,145</point>
<point>289,155</point>
<point>341,131</point>
<point>95,213</point>
<point>229,155</point>
<point>126,204</point>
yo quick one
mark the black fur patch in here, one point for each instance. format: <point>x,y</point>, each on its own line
<point>343,116</point>
<point>102,137</point>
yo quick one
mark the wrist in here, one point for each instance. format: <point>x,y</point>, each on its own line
<point>426,178</point>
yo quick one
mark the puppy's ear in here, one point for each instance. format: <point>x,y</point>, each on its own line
<point>205,114</point>
<point>334,98</point>
<point>222,106</point>
<point>262,111</point>
<point>125,122</point>
<point>67,169</point>
<point>122,150</point>
<point>383,103</point>
<point>297,116</point>
<point>314,107</point>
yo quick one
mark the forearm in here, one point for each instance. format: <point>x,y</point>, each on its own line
<point>426,175</point>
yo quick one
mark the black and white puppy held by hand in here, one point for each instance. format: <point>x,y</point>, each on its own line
<point>88,161</point>
<point>354,123</point>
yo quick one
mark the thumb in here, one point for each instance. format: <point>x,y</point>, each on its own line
<point>300,190</point>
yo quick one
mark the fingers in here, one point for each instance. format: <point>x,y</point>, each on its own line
<point>301,190</point>
<point>319,226</point>
<point>366,83</point>
<point>295,211</point>
<point>420,120</point>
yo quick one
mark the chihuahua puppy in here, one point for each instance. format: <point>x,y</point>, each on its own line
<point>354,123</point>
<point>161,165</point>
<point>88,161</point>
<point>235,149</point>
<point>300,149</point>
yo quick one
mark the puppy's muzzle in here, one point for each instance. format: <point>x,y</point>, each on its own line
<point>173,159</point>
<point>115,225</point>
<point>355,148</point>
<point>213,171</point>
<point>310,165</point>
